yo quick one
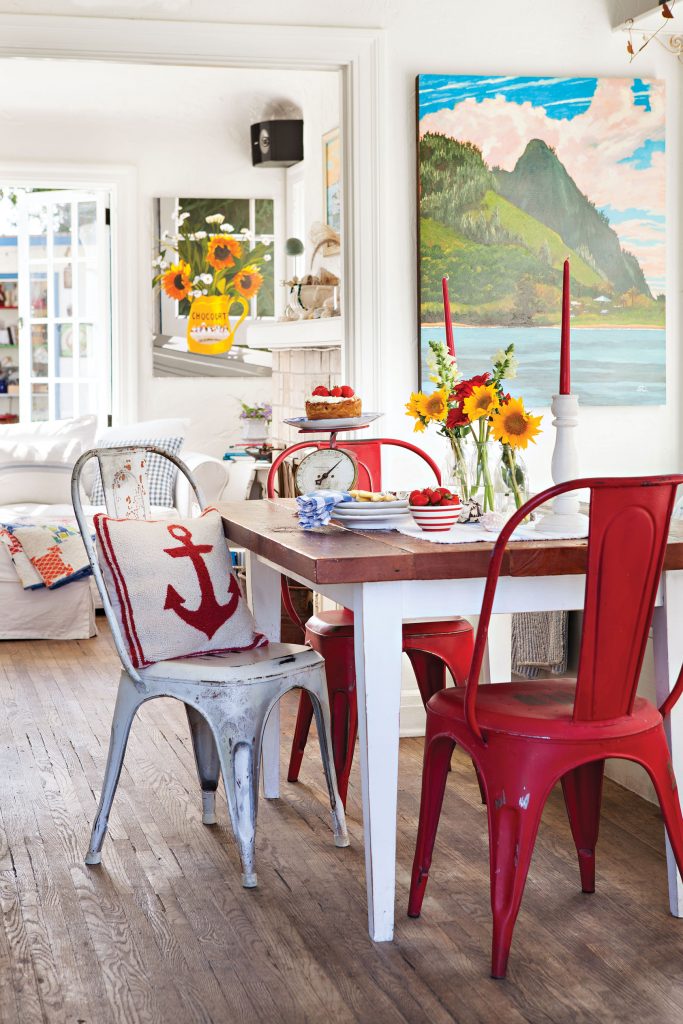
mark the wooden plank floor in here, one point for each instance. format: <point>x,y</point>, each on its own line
<point>163,932</point>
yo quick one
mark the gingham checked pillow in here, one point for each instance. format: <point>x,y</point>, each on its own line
<point>172,588</point>
<point>161,474</point>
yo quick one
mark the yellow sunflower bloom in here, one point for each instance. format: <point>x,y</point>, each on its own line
<point>482,402</point>
<point>248,282</point>
<point>513,425</point>
<point>413,405</point>
<point>434,406</point>
<point>419,427</point>
<point>223,251</point>
<point>176,281</point>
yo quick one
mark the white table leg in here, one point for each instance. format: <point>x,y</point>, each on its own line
<point>378,621</point>
<point>498,659</point>
<point>263,588</point>
<point>668,655</point>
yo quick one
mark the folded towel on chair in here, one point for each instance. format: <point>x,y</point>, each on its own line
<point>539,643</point>
<point>316,507</point>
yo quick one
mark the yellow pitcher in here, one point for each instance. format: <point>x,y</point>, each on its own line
<point>209,329</point>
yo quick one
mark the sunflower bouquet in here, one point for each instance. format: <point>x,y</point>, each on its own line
<point>476,410</point>
<point>216,261</point>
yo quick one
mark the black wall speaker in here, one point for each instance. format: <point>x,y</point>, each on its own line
<point>277,143</point>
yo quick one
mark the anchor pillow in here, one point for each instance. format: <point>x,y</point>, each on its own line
<point>172,587</point>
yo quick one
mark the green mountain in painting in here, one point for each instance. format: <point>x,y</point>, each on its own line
<point>502,237</point>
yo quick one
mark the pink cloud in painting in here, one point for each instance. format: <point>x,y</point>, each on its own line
<point>592,146</point>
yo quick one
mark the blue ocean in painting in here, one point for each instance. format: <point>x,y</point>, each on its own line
<point>617,366</point>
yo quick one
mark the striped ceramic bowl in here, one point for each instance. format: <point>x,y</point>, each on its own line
<point>435,518</point>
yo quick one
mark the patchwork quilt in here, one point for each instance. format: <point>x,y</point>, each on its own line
<point>45,554</point>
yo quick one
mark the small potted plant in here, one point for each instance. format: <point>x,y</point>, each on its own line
<point>255,421</point>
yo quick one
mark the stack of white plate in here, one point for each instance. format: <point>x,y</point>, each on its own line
<point>373,515</point>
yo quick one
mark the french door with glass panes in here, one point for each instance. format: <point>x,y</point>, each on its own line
<point>64,305</point>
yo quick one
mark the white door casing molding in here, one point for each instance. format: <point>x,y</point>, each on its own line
<point>121,183</point>
<point>357,53</point>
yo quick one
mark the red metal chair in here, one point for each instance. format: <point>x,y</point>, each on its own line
<point>431,646</point>
<point>523,737</point>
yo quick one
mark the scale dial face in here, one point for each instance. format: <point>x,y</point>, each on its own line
<point>327,469</point>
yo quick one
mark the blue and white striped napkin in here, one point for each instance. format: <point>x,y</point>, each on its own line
<point>316,507</point>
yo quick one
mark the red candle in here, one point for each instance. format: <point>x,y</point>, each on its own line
<point>447,316</point>
<point>565,364</point>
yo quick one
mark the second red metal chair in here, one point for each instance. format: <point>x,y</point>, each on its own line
<point>524,737</point>
<point>432,647</point>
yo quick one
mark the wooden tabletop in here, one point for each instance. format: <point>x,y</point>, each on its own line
<point>333,554</point>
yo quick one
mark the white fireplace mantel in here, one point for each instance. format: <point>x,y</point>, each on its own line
<point>288,334</point>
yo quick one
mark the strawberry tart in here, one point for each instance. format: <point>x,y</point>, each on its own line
<point>333,403</point>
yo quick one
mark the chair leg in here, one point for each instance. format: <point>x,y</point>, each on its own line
<point>661,772</point>
<point>206,759</point>
<point>344,725</point>
<point>437,760</point>
<point>128,700</point>
<point>430,673</point>
<point>304,718</point>
<point>514,814</point>
<point>239,754</point>
<point>321,710</point>
<point>582,788</point>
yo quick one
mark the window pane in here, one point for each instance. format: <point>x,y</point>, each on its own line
<point>64,401</point>
<point>37,230</point>
<point>61,225</point>
<point>87,291</point>
<point>64,350</point>
<point>39,354</point>
<point>38,293</point>
<point>88,365</point>
<point>87,228</point>
<point>87,394</point>
<point>39,403</point>
<point>264,217</point>
<point>63,285</point>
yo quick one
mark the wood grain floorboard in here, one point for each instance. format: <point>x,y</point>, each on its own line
<point>163,933</point>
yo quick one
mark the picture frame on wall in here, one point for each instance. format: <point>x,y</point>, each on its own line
<point>332,178</point>
<point>8,292</point>
<point>518,174</point>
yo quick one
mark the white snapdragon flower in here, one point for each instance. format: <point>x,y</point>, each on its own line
<point>267,258</point>
<point>513,366</point>
<point>200,234</point>
<point>214,218</point>
<point>206,278</point>
<point>246,233</point>
<point>182,217</point>
<point>227,227</point>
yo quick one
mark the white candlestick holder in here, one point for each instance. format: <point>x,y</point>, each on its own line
<point>565,516</point>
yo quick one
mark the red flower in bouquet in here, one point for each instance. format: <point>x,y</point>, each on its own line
<point>464,388</point>
<point>456,417</point>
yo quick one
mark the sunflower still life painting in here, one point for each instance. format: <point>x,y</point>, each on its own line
<point>210,275</point>
<point>518,174</point>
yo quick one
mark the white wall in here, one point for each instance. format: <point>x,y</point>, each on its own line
<point>186,131</point>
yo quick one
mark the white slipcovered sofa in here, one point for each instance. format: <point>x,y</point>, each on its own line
<point>35,480</point>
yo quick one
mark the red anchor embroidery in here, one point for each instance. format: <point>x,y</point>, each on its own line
<point>210,615</point>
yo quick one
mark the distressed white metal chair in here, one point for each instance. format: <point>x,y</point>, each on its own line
<point>227,697</point>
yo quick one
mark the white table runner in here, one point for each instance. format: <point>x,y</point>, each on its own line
<point>470,533</point>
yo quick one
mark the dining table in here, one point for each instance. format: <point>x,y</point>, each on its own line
<point>386,578</point>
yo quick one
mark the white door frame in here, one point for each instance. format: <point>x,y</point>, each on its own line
<point>357,53</point>
<point>121,183</point>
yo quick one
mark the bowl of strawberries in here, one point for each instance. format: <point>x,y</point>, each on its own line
<point>434,509</point>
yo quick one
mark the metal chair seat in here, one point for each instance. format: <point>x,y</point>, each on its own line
<point>263,662</point>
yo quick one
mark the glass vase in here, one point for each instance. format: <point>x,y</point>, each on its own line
<point>484,464</point>
<point>456,474</point>
<point>512,481</point>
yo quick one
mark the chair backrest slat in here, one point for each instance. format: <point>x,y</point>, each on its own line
<point>628,535</point>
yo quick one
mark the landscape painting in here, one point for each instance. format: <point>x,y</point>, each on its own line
<point>515,176</point>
